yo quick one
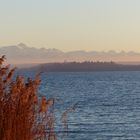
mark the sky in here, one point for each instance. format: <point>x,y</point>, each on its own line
<point>71,24</point>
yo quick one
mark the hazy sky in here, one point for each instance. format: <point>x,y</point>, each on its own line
<point>71,24</point>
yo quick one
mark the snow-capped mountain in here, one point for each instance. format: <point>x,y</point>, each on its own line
<point>22,54</point>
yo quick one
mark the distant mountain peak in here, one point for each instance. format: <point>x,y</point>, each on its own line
<point>22,45</point>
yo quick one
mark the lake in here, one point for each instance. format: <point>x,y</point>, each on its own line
<point>107,104</point>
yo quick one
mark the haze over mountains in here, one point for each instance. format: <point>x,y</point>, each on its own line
<point>22,54</point>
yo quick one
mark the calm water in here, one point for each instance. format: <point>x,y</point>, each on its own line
<point>107,104</point>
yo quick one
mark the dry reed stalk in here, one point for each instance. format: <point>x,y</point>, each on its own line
<point>23,116</point>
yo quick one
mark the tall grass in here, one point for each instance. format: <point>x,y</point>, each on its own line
<point>23,116</point>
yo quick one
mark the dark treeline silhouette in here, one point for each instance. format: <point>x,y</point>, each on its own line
<point>86,66</point>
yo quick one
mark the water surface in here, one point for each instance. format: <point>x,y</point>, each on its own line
<point>107,104</point>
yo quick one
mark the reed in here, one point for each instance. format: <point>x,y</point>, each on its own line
<point>23,115</point>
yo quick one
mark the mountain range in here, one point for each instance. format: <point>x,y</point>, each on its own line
<point>22,54</point>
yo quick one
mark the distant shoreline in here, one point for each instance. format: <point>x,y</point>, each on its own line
<point>83,67</point>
